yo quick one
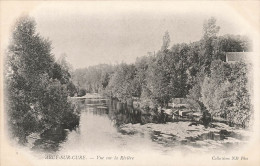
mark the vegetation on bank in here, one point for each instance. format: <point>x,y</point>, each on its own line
<point>194,70</point>
<point>37,86</point>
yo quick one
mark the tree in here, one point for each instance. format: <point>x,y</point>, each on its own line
<point>158,80</point>
<point>166,41</point>
<point>212,85</point>
<point>36,98</point>
<point>226,93</point>
<point>140,80</point>
<point>82,92</point>
<point>121,82</point>
<point>210,28</point>
<point>208,54</point>
<point>104,79</point>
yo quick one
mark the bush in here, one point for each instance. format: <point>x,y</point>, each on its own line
<point>82,92</point>
<point>226,93</point>
<point>37,99</point>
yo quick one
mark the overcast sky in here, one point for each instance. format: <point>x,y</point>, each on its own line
<point>91,33</point>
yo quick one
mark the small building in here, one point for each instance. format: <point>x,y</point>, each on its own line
<point>185,103</point>
<point>184,107</point>
<point>232,57</point>
<point>184,112</point>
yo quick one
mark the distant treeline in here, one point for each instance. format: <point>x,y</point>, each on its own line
<point>194,70</point>
<point>37,86</point>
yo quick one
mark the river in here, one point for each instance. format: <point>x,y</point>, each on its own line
<point>109,126</point>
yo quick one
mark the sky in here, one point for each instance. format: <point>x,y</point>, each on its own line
<point>93,33</point>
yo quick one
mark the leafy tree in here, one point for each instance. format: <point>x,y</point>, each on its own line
<point>234,43</point>
<point>226,93</point>
<point>82,92</point>
<point>36,98</point>
<point>166,41</point>
<point>121,84</point>
<point>207,55</point>
<point>195,70</point>
<point>104,79</point>
<point>94,78</point>
<point>157,83</point>
<point>210,28</point>
<point>211,85</point>
<point>140,80</point>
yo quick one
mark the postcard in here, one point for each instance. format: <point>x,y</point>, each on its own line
<point>130,83</point>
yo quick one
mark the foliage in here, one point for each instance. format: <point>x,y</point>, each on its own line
<point>195,70</point>
<point>226,92</point>
<point>94,79</point>
<point>121,85</point>
<point>166,41</point>
<point>36,85</point>
<point>82,92</point>
<point>210,28</point>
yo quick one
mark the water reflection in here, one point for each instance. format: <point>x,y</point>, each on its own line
<point>50,140</point>
<point>100,129</point>
<point>122,113</point>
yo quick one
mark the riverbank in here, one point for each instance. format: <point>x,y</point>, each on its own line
<point>89,96</point>
<point>192,137</point>
<point>121,126</point>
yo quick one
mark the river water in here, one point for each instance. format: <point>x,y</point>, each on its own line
<point>100,131</point>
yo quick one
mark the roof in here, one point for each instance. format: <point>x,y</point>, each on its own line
<point>180,100</point>
<point>186,102</point>
<point>238,56</point>
<point>181,105</point>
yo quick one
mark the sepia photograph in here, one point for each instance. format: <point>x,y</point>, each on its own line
<point>129,83</point>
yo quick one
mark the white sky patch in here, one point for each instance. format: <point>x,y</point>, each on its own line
<point>91,33</point>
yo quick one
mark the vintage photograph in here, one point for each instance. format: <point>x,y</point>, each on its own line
<point>94,82</point>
